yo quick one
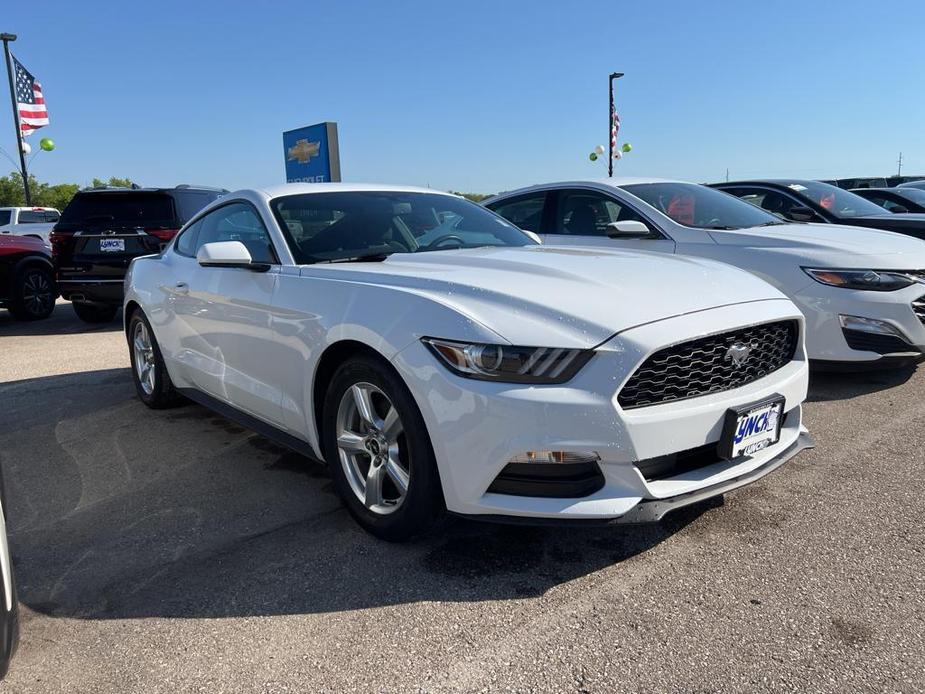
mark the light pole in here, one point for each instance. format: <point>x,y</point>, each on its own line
<point>613,110</point>
<point>6,38</point>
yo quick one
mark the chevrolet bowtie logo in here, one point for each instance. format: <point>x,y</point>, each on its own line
<point>303,150</point>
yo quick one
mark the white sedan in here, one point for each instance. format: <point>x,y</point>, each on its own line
<point>440,359</point>
<point>862,291</point>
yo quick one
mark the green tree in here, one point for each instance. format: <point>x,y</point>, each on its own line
<point>474,197</point>
<point>113,181</point>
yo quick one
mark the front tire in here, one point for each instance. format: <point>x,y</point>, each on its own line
<point>33,294</point>
<point>378,451</point>
<point>94,313</point>
<point>152,382</point>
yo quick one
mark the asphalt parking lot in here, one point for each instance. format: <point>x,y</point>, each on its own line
<point>174,551</point>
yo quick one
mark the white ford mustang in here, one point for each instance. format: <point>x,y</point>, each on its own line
<point>438,358</point>
<point>862,290</point>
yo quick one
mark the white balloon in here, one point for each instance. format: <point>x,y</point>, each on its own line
<point>599,149</point>
<point>26,148</point>
<point>617,154</point>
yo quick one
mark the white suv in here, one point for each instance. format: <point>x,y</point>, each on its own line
<point>28,221</point>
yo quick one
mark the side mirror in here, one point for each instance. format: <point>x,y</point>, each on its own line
<point>899,209</point>
<point>228,254</point>
<point>801,214</point>
<point>629,229</point>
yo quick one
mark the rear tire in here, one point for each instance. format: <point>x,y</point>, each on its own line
<point>94,313</point>
<point>33,293</point>
<point>152,382</point>
<point>378,451</point>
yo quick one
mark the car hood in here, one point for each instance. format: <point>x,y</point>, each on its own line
<point>833,245</point>
<point>559,297</point>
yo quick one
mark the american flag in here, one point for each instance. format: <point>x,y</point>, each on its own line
<point>614,129</point>
<point>29,100</point>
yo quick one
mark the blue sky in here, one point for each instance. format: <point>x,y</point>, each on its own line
<point>474,96</point>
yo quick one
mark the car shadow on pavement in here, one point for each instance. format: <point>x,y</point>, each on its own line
<point>827,385</point>
<point>61,321</point>
<point>116,511</point>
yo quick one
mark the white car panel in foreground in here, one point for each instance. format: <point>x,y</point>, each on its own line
<point>282,338</point>
<point>692,220</point>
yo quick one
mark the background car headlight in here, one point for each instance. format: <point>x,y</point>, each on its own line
<point>539,365</point>
<point>874,280</point>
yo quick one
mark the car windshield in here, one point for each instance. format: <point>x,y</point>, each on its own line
<point>913,194</point>
<point>325,227</point>
<point>698,206</point>
<point>137,209</point>
<point>840,202</point>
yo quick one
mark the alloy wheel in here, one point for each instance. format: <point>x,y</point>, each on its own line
<point>144,357</point>
<point>372,449</point>
<point>37,296</point>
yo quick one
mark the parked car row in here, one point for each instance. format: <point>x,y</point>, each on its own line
<point>860,290</point>
<point>28,221</point>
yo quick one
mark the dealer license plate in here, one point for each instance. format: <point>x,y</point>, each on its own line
<point>750,429</point>
<point>112,245</point>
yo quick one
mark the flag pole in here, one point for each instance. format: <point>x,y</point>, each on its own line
<point>613,76</point>
<point>6,38</point>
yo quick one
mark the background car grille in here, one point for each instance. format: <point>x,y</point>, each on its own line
<point>919,307</point>
<point>700,366</point>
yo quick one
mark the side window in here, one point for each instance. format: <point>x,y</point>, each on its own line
<point>237,222</point>
<point>769,200</point>
<point>587,213</point>
<point>885,203</point>
<point>186,243</point>
<point>31,216</point>
<point>525,211</point>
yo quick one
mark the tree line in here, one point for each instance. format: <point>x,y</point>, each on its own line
<point>46,194</point>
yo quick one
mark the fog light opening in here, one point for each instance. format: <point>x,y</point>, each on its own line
<point>870,325</point>
<point>546,457</point>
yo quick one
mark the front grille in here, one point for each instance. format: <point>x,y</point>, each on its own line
<point>703,366</point>
<point>918,306</point>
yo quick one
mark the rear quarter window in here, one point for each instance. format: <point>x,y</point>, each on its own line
<point>189,202</point>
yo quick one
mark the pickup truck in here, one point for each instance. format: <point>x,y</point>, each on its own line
<point>28,221</point>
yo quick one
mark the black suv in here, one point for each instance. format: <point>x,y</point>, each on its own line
<point>102,229</point>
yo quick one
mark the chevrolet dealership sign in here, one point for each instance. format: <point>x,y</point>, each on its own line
<point>311,154</point>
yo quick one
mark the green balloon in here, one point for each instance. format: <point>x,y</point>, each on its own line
<point>593,156</point>
<point>47,144</point>
<point>627,147</point>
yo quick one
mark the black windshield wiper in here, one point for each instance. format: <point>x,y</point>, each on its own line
<point>769,224</point>
<point>721,228</point>
<point>369,258</point>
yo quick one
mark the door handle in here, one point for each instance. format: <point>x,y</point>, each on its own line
<point>182,288</point>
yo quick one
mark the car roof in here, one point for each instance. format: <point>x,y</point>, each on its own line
<point>615,182</point>
<point>305,188</point>
<point>769,181</point>
<point>152,189</point>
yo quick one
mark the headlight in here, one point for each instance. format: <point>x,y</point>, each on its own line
<point>874,280</point>
<point>539,365</point>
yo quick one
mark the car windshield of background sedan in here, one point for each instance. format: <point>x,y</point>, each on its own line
<point>838,201</point>
<point>327,227</point>
<point>701,207</point>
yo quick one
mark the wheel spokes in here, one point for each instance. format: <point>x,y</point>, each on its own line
<point>351,442</point>
<point>391,425</point>
<point>362,398</point>
<point>374,479</point>
<point>397,474</point>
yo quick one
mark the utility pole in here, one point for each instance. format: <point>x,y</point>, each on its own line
<point>727,174</point>
<point>6,38</point>
<point>900,162</point>
<point>613,110</point>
